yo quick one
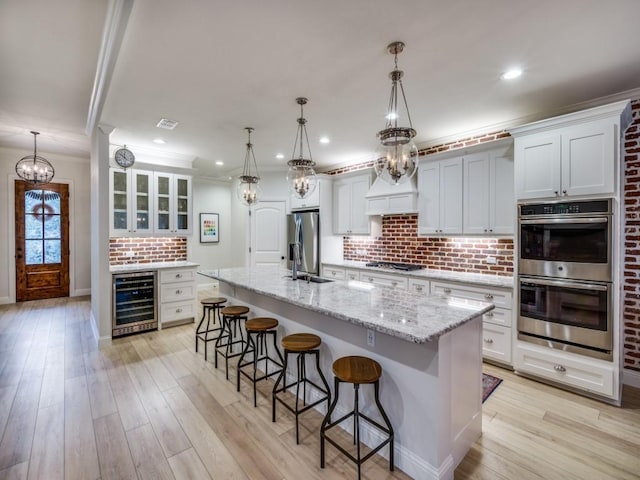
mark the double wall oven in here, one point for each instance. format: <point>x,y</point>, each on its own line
<point>565,276</point>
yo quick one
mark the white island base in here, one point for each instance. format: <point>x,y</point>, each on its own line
<point>432,392</point>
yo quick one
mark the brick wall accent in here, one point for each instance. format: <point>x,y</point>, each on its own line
<point>631,292</point>
<point>400,243</point>
<point>445,147</point>
<point>147,250</point>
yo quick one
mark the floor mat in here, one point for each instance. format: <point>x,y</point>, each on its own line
<point>489,384</point>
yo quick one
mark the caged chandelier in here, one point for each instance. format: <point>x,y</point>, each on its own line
<point>35,169</point>
<point>248,189</point>
<point>301,175</point>
<point>396,159</point>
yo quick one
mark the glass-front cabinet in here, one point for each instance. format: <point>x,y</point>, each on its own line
<point>131,202</point>
<point>172,203</point>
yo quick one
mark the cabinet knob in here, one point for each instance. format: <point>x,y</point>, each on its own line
<point>564,192</point>
<point>559,368</point>
<point>178,292</point>
<point>489,314</point>
<point>447,290</point>
<point>485,230</point>
<point>178,275</point>
<point>488,340</point>
<point>488,296</point>
<point>491,229</point>
<point>419,288</point>
<point>178,310</point>
<point>370,279</point>
<point>556,192</point>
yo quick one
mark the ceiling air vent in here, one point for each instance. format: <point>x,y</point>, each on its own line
<point>167,124</point>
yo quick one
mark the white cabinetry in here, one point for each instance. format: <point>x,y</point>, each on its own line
<point>418,285</point>
<point>349,205</point>
<point>178,296</point>
<point>172,203</point>
<point>384,279</point>
<point>336,273</point>
<point>351,274</point>
<point>440,197</point>
<point>575,154</point>
<point>130,202</point>
<point>488,193</point>
<point>587,374</point>
<point>496,324</point>
<point>320,198</point>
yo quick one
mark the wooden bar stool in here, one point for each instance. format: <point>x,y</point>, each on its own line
<point>231,330</point>
<point>301,344</point>
<point>211,309</point>
<point>259,328</point>
<point>357,370</point>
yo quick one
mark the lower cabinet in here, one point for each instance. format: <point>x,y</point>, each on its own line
<point>496,324</point>
<point>418,285</point>
<point>335,273</point>
<point>384,279</point>
<point>591,375</point>
<point>351,274</point>
<point>178,296</point>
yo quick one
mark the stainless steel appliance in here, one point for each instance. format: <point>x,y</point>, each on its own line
<point>566,239</point>
<point>134,303</point>
<point>565,274</point>
<point>303,239</point>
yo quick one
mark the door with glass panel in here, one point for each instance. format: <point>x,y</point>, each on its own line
<point>42,241</point>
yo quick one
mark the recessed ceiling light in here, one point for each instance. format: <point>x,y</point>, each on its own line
<point>219,162</point>
<point>279,156</point>
<point>324,140</point>
<point>159,141</point>
<point>511,74</point>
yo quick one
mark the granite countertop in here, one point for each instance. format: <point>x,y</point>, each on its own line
<point>141,267</point>
<point>411,316</point>
<point>479,279</point>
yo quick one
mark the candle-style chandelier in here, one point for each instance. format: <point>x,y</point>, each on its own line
<point>301,176</point>
<point>248,190</point>
<point>396,159</point>
<point>35,169</point>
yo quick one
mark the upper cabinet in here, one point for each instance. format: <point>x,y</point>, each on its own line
<point>143,202</point>
<point>130,202</point>
<point>172,203</point>
<point>440,197</point>
<point>571,155</point>
<point>349,205</point>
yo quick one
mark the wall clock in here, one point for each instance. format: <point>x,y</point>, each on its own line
<point>124,157</point>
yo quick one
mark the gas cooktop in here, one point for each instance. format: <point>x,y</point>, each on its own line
<point>395,266</point>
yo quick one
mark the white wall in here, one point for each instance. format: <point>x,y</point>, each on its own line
<point>71,170</point>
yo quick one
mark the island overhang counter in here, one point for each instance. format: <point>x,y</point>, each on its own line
<point>430,349</point>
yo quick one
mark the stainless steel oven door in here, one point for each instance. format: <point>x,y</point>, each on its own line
<point>576,248</point>
<point>575,314</point>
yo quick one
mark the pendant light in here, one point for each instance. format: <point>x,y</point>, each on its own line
<point>396,159</point>
<point>248,190</point>
<point>35,169</point>
<point>301,176</point>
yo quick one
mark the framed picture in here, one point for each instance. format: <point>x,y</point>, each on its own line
<point>209,228</point>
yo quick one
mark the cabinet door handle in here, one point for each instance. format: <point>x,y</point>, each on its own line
<point>489,314</point>
<point>491,229</point>
<point>485,230</point>
<point>556,192</point>
<point>559,368</point>
<point>178,275</point>
<point>488,340</point>
<point>393,284</point>
<point>564,192</point>
<point>488,296</point>
<point>178,292</point>
<point>418,288</point>
<point>178,310</point>
<point>370,279</point>
<point>447,290</point>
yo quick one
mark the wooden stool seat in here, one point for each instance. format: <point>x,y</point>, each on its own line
<point>301,342</point>
<point>234,310</point>
<point>213,301</point>
<point>355,369</point>
<point>259,324</point>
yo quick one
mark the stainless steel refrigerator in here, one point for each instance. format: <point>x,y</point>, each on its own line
<point>303,231</point>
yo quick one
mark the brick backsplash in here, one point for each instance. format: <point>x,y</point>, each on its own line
<point>147,250</point>
<point>400,243</point>
<point>631,294</point>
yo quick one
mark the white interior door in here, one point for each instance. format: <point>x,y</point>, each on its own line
<point>268,233</point>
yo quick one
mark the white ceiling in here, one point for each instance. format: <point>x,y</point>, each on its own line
<point>218,66</point>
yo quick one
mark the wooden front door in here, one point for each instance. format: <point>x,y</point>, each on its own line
<point>42,241</point>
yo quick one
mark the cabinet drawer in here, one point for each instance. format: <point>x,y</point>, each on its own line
<point>382,279</point>
<point>419,286</point>
<point>498,316</point>
<point>496,342</point>
<point>177,275</point>
<point>352,274</point>
<point>500,298</point>
<point>176,292</point>
<point>565,368</point>
<point>333,272</point>
<point>177,311</point>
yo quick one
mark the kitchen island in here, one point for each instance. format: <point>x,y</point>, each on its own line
<point>430,349</point>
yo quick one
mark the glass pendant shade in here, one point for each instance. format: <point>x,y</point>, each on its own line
<point>35,169</point>
<point>248,190</point>
<point>301,177</point>
<point>396,158</point>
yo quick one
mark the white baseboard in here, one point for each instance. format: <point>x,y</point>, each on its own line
<point>5,300</point>
<point>81,292</point>
<point>631,377</point>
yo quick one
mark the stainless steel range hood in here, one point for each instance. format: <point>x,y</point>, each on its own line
<point>386,199</point>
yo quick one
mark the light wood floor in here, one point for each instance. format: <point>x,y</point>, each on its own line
<point>149,407</point>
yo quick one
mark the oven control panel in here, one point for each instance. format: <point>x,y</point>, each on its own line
<point>566,208</point>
